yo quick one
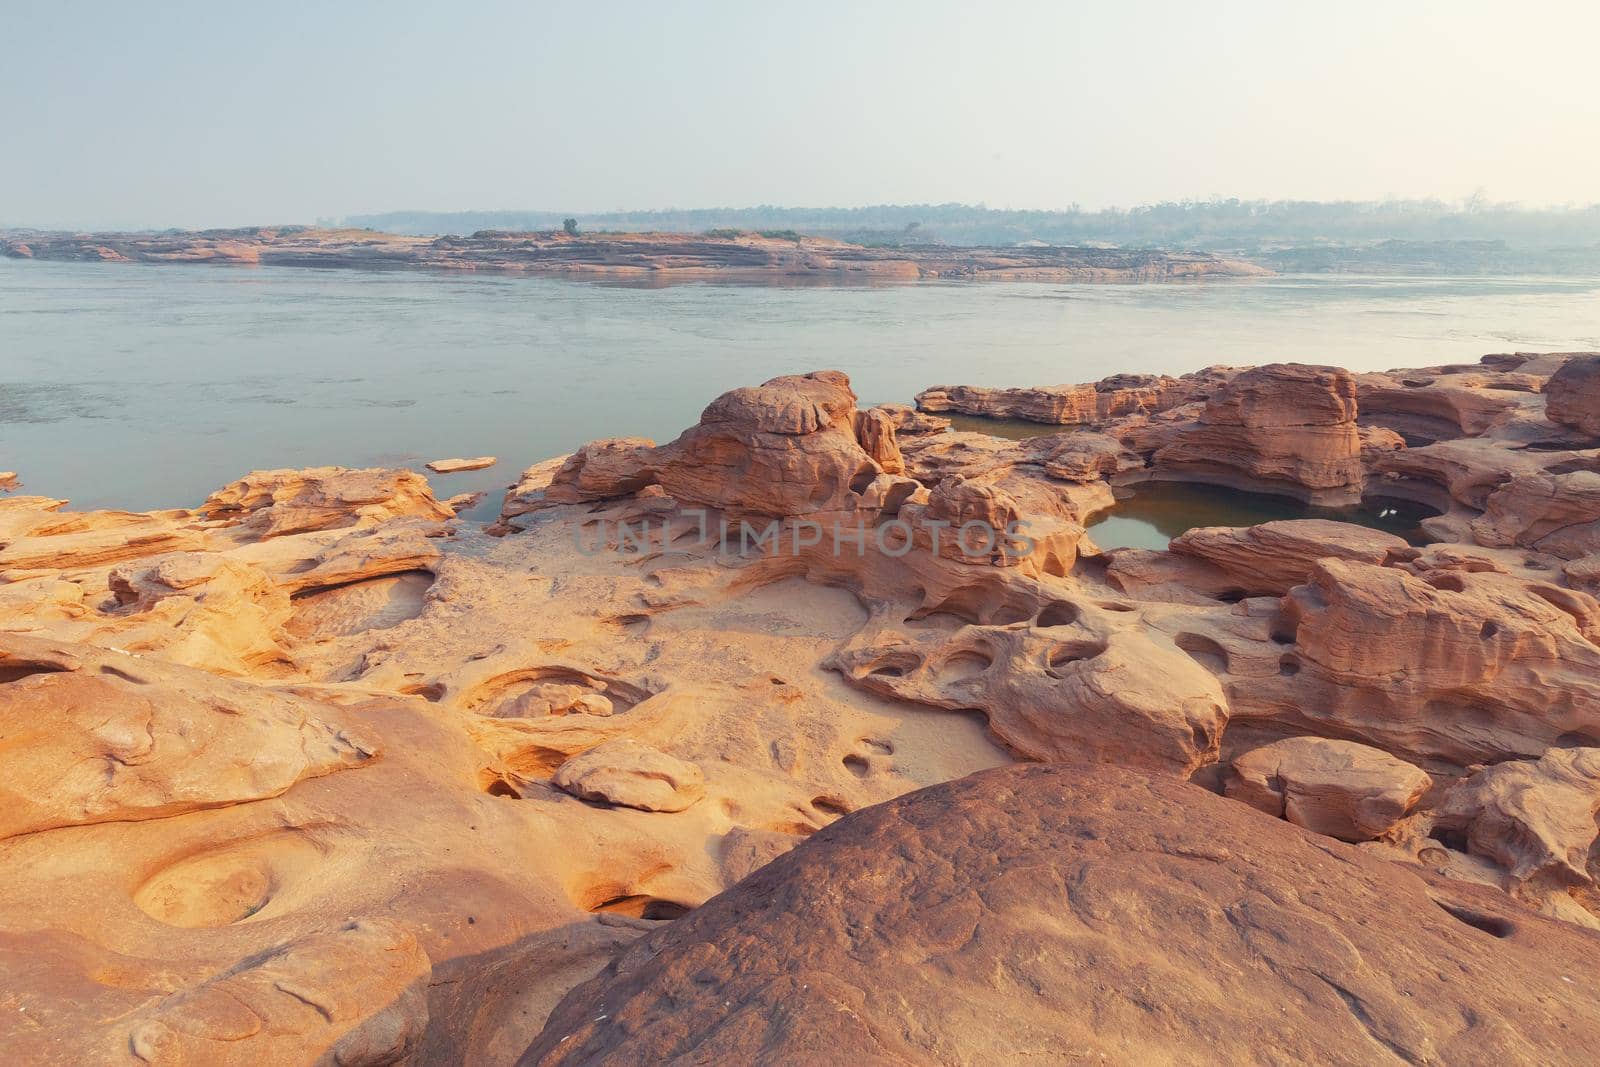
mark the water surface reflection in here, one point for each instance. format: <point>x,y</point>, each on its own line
<point>1160,511</point>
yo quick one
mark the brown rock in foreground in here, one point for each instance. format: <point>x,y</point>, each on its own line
<point>1029,911</point>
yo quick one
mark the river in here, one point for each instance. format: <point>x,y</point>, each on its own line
<point>142,386</point>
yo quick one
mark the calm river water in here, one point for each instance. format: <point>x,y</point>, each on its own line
<point>147,386</point>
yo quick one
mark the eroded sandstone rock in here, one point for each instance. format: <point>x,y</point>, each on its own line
<point>1464,471</point>
<point>1050,481</point>
<point>1572,394</point>
<point>555,698</point>
<point>278,502</point>
<point>36,533</point>
<point>1073,686</point>
<point>1584,574</point>
<point>201,609</point>
<point>1554,513</point>
<point>395,548</point>
<point>909,422</point>
<point>1535,818</point>
<point>1346,790</point>
<point>481,666</point>
<point>1442,403</point>
<point>355,996</point>
<point>465,501</point>
<point>1273,557</point>
<point>1439,662</point>
<point>632,775</point>
<point>87,740</point>
<point>1284,426</point>
<point>783,449</point>
<point>1137,919</point>
<point>875,430</point>
<point>796,450</point>
<point>1064,405</point>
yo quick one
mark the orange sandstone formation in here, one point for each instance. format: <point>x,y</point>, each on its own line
<point>319,772</point>
<point>1339,788</point>
<point>1573,394</point>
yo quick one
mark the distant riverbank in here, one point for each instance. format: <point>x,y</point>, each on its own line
<point>776,258</point>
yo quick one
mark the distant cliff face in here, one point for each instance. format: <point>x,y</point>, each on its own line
<point>657,257</point>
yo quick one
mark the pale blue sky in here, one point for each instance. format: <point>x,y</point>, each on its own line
<point>217,113</point>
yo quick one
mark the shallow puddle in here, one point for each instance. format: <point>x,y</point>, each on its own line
<point>1010,429</point>
<point>1160,511</point>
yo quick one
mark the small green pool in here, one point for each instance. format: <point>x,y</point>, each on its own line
<point>1010,429</point>
<point>1159,511</point>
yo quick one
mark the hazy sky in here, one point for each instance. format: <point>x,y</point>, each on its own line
<point>218,113</point>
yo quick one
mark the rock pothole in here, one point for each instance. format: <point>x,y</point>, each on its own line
<point>245,881</point>
<point>539,692</point>
<point>370,604</point>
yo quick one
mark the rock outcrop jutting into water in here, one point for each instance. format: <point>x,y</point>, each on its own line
<point>320,772</point>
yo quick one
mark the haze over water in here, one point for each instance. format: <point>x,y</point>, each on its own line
<point>140,386</point>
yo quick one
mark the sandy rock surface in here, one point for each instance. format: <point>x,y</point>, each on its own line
<point>320,772</point>
<point>631,775</point>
